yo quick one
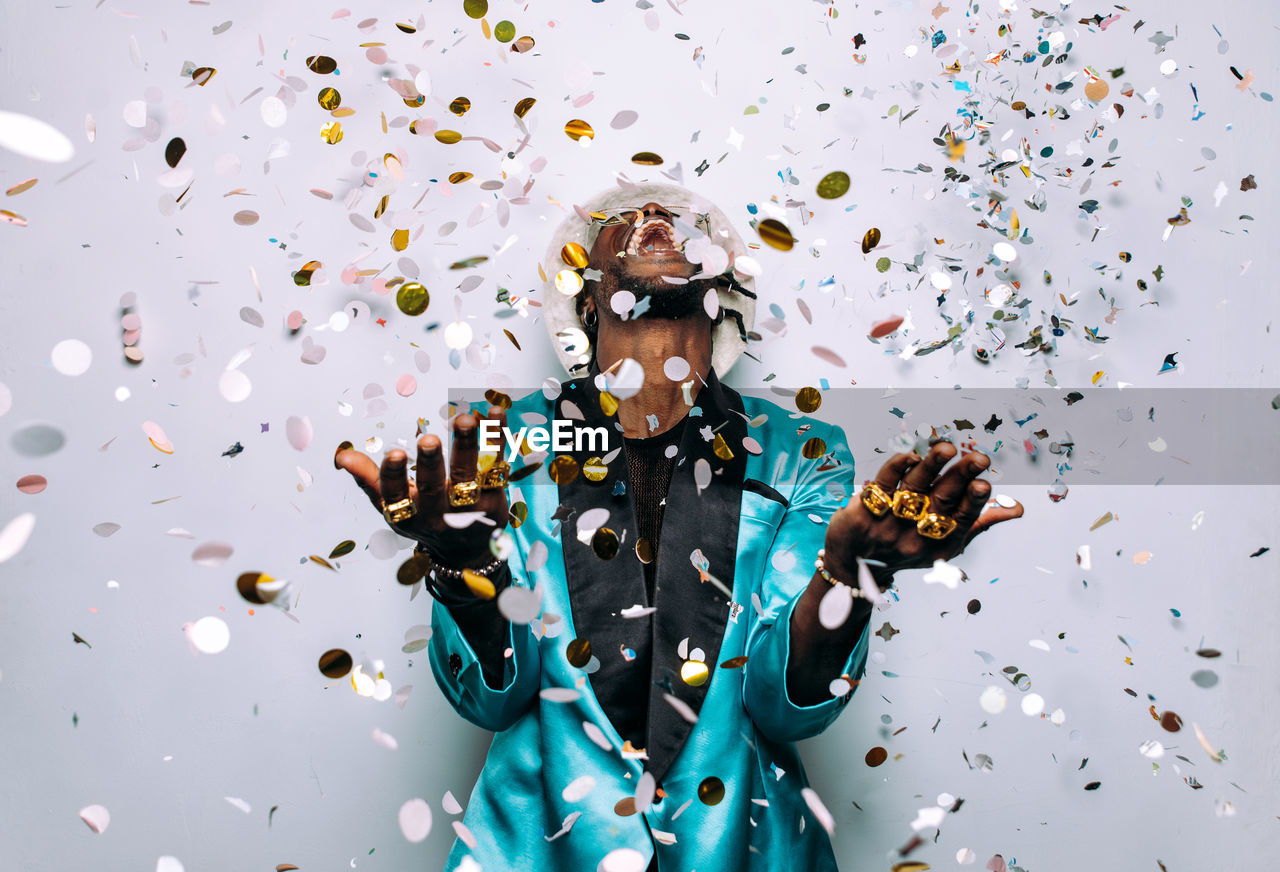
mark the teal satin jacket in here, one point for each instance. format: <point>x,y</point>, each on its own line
<point>745,515</point>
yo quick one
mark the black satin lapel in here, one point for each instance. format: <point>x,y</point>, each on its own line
<point>687,606</point>
<point>600,589</point>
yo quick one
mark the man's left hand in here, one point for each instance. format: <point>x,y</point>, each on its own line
<point>895,541</point>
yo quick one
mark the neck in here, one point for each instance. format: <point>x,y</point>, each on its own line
<point>650,342</point>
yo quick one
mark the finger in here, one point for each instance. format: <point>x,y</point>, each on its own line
<point>893,470</point>
<point>364,471</point>
<point>971,504</point>
<point>429,468</point>
<point>919,478</point>
<point>990,517</point>
<point>394,478</point>
<point>465,450</point>
<point>953,485</point>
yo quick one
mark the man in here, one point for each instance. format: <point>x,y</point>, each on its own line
<point>704,587</point>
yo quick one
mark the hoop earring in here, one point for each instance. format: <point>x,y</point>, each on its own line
<point>590,319</point>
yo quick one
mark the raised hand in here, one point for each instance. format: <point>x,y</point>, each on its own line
<point>456,539</point>
<point>855,531</point>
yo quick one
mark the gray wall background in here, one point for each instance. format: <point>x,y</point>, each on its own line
<point>162,736</point>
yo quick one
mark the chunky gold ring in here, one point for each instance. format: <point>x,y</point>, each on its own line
<point>875,499</point>
<point>909,504</point>
<point>401,510</point>
<point>495,476</point>
<point>464,493</point>
<point>935,526</point>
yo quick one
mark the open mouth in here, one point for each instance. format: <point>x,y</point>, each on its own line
<point>654,236</point>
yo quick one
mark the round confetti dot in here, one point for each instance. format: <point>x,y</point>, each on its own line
<point>563,469</point>
<point>876,756</point>
<point>675,368</point>
<point>504,31</point>
<point>881,329</point>
<point>1032,704</point>
<point>321,64</point>
<point>37,440</point>
<point>974,607</point>
<point>577,129</point>
<point>32,484</point>
<point>71,357</point>
<point>95,817</point>
<point>604,542</point>
<point>1171,721</point>
<point>993,700</point>
<point>299,432</point>
<point>622,302</point>
<point>211,554</point>
<point>1168,67</point>
<point>833,185</point>
<point>940,280</point>
<point>574,255</point>
<point>415,820</point>
<point>457,335</point>
<point>776,234</point>
<point>694,673</point>
<point>808,400</point>
<point>406,385</point>
<point>234,386</point>
<point>1005,252</point>
<point>274,112</point>
<point>210,635</point>
<point>413,298</point>
<point>578,653</point>
<point>295,320</point>
<point>711,790</point>
<point>335,663</point>
<point>595,469</point>
<point>569,282</point>
<point>14,536</point>
<point>870,240</point>
<point>623,859</point>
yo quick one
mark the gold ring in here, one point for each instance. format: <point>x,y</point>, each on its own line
<point>401,510</point>
<point>875,499</point>
<point>495,476</point>
<point>935,526</point>
<point>464,493</point>
<point>909,504</point>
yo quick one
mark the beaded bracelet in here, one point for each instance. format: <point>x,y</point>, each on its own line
<point>441,573</point>
<point>854,589</point>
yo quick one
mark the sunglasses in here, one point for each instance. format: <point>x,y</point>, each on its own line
<point>631,214</point>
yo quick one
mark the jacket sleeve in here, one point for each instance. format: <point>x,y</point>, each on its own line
<point>460,675</point>
<point>814,499</point>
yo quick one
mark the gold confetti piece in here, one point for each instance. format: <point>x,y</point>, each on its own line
<point>1096,89</point>
<point>520,511</point>
<point>344,112</point>
<point>320,64</point>
<point>694,673</point>
<point>475,8</point>
<point>711,790</point>
<point>523,44</point>
<point>504,31</point>
<point>448,137</point>
<point>721,448</point>
<point>484,27</point>
<point>568,282</point>
<point>578,653</point>
<point>342,548</point>
<point>400,239</point>
<point>563,469</point>
<point>646,159</point>
<point>414,103</point>
<point>202,75</point>
<point>808,400</point>
<point>329,98</point>
<point>413,298</point>
<point>833,185</point>
<point>512,337</point>
<point>245,218</point>
<point>595,469</point>
<point>414,569</point>
<point>459,105</point>
<point>574,255</point>
<point>12,218</point>
<point>870,240</point>
<point>911,866</point>
<point>20,187</point>
<point>174,151</point>
<point>577,128</point>
<point>382,206</point>
<point>644,550</point>
<point>335,663</point>
<point>626,806</point>
<point>523,107</point>
<point>478,584</point>
<point>876,756</point>
<point>608,403</point>
<point>734,662</point>
<point>315,558</point>
<point>406,28</point>
<point>776,234</point>
<point>498,398</point>
<point>814,448</point>
<point>459,177</point>
<point>332,132</point>
<point>468,263</point>
<point>1103,520</point>
<point>133,354</point>
<point>604,542</point>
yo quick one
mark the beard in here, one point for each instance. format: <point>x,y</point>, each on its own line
<point>664,300</point>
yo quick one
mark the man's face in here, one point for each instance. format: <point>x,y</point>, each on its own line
<point>638,254</point>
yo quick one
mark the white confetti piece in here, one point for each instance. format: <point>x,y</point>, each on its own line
<point>520,605</point>
<point>386,740</point>
<point>993,700</point>
<point>210,635</point>
<point>835,606</point>
<point>450,803</point>
<point>596,735</point>
<point>96,817</point>
<point>415,820</point>
<point>623,859</point>
<point>578,788</point>
<point>33,138</point>
<point>464,833</point>
<point>943,573</point>
<point>234,386</point>
<point>71,357</point>
<point>675,368</point>
<point>559,694</point>
<point>928,818</point>
<point>239,803</point>
<point>212,554</point>
<point>565,825</point>
<point>274,112</point>
<point>966,856</point>
<point>819,811</point>
<point>15,534</point>
<point>299,432</point>
<point>1032,704</point>
<point>168,863</point>
<point>1151,749</point>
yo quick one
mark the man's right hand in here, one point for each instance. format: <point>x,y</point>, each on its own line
<point>459,547</point>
